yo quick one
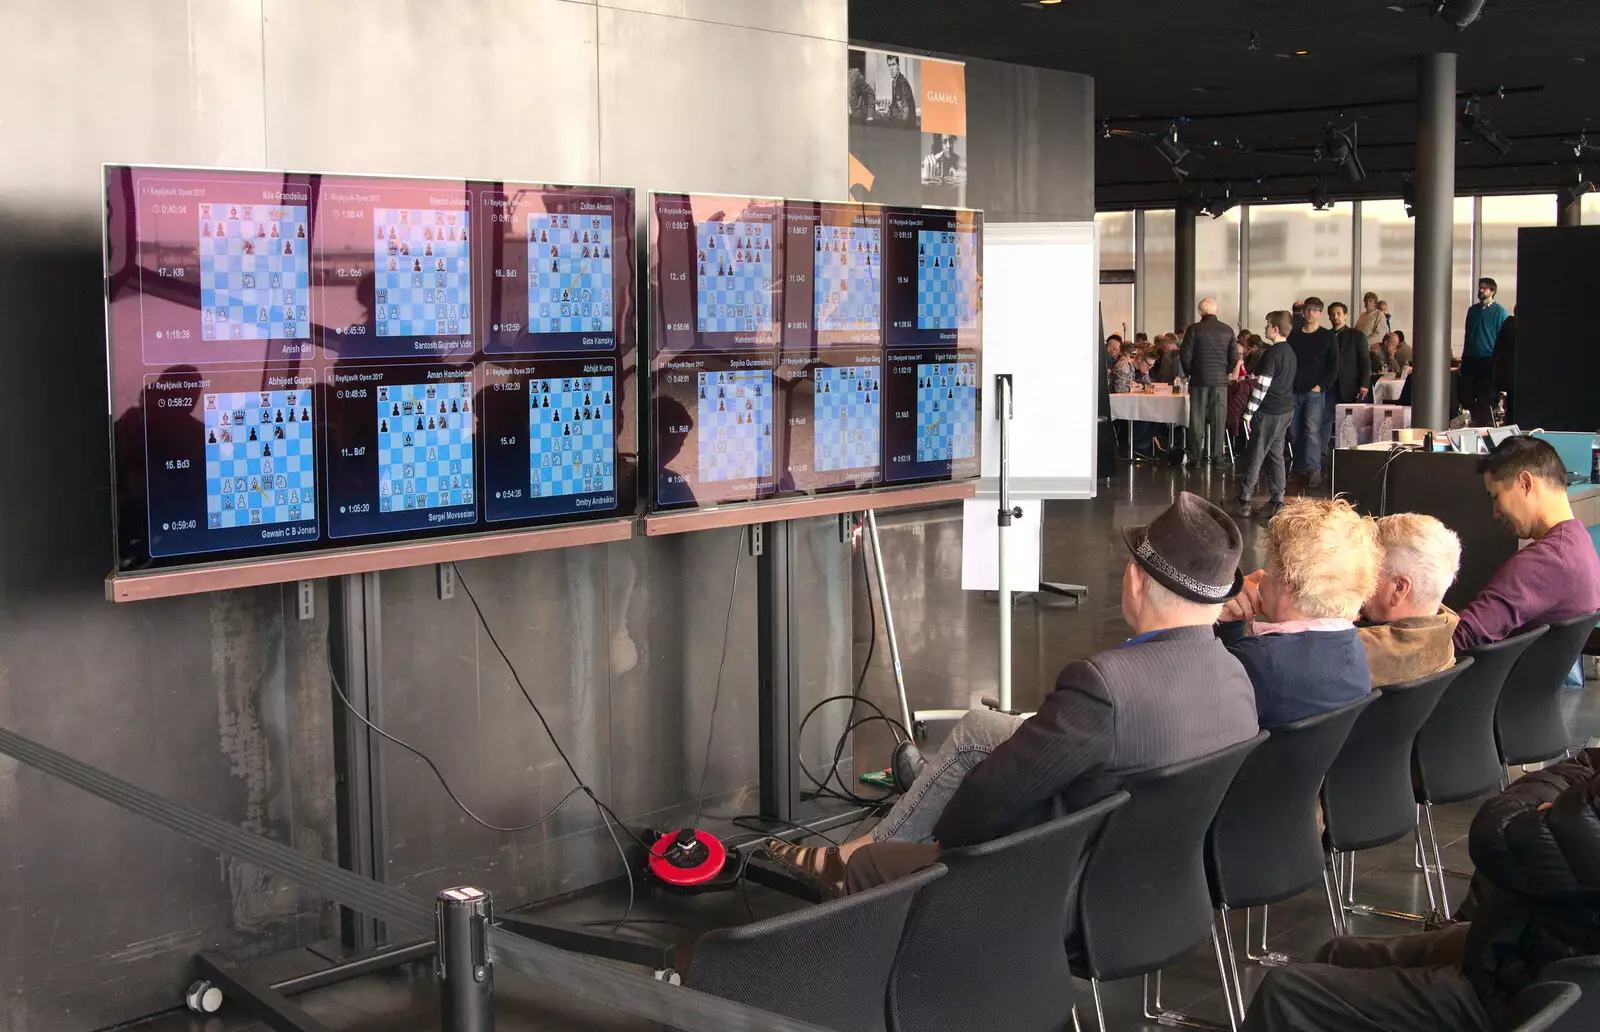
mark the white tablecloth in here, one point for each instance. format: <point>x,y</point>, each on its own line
<point>1154,408</point>
<point>1387,390</point>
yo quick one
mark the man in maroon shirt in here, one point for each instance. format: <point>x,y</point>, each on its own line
<point>1555,578</point>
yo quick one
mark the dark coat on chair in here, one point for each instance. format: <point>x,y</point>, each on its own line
<point>1536,895</point>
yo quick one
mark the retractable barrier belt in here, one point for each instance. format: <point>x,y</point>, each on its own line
<point>583,976</point>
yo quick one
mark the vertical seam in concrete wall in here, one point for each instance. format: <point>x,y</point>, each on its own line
<point>599,108</point>
<point>261,23</point>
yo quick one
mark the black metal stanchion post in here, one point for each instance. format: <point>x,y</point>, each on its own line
<point>466,978</point>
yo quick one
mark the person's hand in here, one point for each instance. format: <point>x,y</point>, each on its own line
<point>1361,395</point>
<point>1545,806</point>
<point>1246,605</point>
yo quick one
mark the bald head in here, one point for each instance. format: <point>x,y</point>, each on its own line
<point>1208,306</point>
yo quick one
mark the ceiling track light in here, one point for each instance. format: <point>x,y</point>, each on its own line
<point>1172,149</point>
<point>1408,194</point>
<point>1576,191</point>
<point>1474,121</point>
<point>1320,201</point>
<point>1339,147</point>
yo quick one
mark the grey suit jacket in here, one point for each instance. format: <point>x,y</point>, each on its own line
<point>1174,696</point>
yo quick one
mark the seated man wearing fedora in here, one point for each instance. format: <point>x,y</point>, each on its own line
<point>1168,694</point>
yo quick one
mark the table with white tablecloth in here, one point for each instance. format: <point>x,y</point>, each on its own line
<point>1161,407</point>
<point>1387,390</point>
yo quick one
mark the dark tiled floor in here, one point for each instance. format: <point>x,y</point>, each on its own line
<point>950,655</point>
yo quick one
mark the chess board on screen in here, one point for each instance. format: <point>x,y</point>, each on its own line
<point>804,347</point>
<point>312,361</point>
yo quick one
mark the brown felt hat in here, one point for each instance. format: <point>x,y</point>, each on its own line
<point>1192,548</point>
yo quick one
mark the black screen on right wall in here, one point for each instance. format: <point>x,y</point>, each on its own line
<point>1558,360</point>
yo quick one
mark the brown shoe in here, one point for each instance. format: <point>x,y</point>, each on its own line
<point>820,866</point>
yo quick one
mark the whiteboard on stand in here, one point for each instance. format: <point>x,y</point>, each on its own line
<point>1040,324</point>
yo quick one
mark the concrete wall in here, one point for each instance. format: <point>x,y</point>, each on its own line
<point>222,702</point>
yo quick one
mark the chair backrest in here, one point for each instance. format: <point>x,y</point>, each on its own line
<point>1528,721</point>
<point>1456,757</point>
<point>828,964</point>
<point>1264,845</point>
<point>982,947</point>
<point>1143,901</point>
<point>1367,798</point>
<point>1583,972</point>
<point>1538,1007</point>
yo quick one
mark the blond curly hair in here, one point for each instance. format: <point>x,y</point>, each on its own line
<point>1324,554</point>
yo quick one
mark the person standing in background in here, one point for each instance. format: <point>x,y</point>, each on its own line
<point>1316,355</point>
<point>1354,375</point>
<point>1209,353</point>
<point>1267,418</point>
<point>1355,358</point>
<point>1484,320</point>
<point>1298,312</point>
<point>1373,323</point>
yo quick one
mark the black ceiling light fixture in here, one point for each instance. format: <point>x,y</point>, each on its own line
<point>1474,121</point>
<point>1408,194</point>
<point>1320,201</point>
<point>1574,193</point>
<point>1220,206</point>
<point>1172,149</point>
<point>1339,147</point>
<point>1460,13</point>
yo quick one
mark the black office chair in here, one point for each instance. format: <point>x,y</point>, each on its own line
<point>1583,972</point>
<point>1455,756</point>
<point>1528,722</point>
<point>982,947</point>
<point>1367,799</point>
<point>1538,1007</point>
<point>1144,903</point>
<point>828,964</point>
<point>1264,845</point>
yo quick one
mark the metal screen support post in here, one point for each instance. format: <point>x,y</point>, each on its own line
<point>888,624</point>
<point>779,716</point>
<point>1005,516</point>
<point>466,976</point>
<point>358,664</point>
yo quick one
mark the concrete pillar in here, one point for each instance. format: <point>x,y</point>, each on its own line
<point>1183,300</point>
<point>1435,181</point>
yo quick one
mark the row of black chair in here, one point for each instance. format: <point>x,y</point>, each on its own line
<point>977,942</point>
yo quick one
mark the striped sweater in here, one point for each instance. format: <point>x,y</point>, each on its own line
<point>1274,391</point>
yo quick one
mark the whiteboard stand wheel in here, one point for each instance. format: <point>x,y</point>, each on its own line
<point>203,998</point>
<point>669,976</point>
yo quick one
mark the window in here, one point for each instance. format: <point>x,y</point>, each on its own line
<point>1286,266</point>
<point>1590,208</point>
<point>1116,239</point>
<point>1387,239</point>
<point>1464,290</point>
<point>1116,309</point>
<point>1216,261</point>
<point>1159,274</point>
<point>1502,217</point>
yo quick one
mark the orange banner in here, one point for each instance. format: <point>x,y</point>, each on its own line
<point>944,97</point>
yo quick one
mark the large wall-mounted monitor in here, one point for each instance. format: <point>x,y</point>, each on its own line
<point>800,347</point>
<point>305,361</point>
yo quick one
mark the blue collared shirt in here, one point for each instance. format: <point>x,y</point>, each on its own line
<point>1140,639</point>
